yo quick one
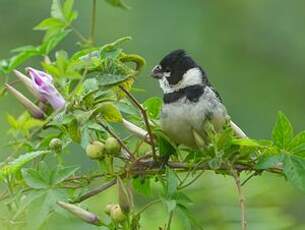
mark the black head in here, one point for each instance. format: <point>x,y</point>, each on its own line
<point>173,66</point>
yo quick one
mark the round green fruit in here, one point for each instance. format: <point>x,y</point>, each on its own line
<point>117,214</point>
<point>55,145</point>
<point>112,146</point>
<point>95,150</point>
<point>108,208</point>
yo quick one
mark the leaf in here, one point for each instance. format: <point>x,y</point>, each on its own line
<point>20,58</point>
<point>294,169</point>
<point>33,179</point>
<point>172,182</point>
<point>50,23</point>
<point>282,132</point>
<point>52,41</point>
<point>110,112</point>
<point>73,129</point>
<point>166,148</point>
<point>269,161</point>
<point>63,173</point>
<point>118,3</point>
<point>110,79</point>
<point>170,204</point>
<point>153,105</point>
<point>68,12</point>
<point>246,142</point>
<point>12,121</point>
<point>15,165</point>
<point>56,10</point>
<point>142,185</point>
<point>297,145</point>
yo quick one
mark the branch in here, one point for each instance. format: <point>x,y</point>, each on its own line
<point>241,196</point>
<point>129,156</point>
<point>144,114</point>
<point>95,191</point>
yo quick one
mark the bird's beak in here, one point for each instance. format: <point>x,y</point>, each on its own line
<point>157,72</point>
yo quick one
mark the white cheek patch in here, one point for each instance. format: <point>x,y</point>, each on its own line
<point>191,77</point>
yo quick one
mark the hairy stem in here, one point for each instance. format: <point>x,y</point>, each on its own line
<point>145,117</point>
<point>93,22</point>
<point>95,191</point>
<point>241,196</point>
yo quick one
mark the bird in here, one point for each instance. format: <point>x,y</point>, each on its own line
<point>190,100</point>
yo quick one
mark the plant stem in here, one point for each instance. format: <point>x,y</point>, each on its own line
<point>241,196</point>
<point>95,191</point>
<point>148,205</point>
<point>145,117</point>
<point>130,155</point>
<point>93,22</point>
<point>168,227</point>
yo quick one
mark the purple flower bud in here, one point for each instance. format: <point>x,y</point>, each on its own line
<point>30,106</point>
<point>43,84</point>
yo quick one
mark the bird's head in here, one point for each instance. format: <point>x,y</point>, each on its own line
<point>176,71</point>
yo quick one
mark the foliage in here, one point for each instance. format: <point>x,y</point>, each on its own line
<point>97,82</point>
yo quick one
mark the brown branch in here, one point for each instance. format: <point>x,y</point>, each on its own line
<point>145,117</point>
<point>95,191</point>
<point>130,155</point>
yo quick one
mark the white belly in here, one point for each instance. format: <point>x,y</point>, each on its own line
<point>179,118</point>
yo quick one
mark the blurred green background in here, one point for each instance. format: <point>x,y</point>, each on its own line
<point>254,54</point>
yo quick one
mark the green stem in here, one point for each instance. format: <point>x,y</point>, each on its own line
<point>93,22</point>
<point>168,227</point>
<point>148,205</point>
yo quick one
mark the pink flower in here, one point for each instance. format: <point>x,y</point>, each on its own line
<point>42,87</point>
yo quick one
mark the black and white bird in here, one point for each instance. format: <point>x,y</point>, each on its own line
<point>189,99</point>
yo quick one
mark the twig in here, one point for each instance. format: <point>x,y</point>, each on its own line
<point>95,191</point>
<point>93,22</point>
<point>243,222</point>
<point>168,227</point>
<point>182,186</point>
<point>144,114</point>
<point>130,155</point>
<point>148,205</point>
<point>248,178</point>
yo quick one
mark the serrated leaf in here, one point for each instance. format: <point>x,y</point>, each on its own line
<point>269,161</point>
<point>51,42</point>
<point>153,106</point>
<point>172,182</point>
<point>33,179</point>
<point>56,10</point>
<point>110,112</point>
<point>294,169</point>
<point>110,79</point>
<point>15,165</point>
<point>297,145</point>
<point>62,173</point>
<point>282,132</point>
<point>118,3</point>
<point>50,23</point>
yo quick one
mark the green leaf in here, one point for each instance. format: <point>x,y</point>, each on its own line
<point>269,161</point>
<point>282,132</point>
<point>74,131</point>
<point>63,173</point>
<point>50,23</point>
<point>52,41</point>
<point>20,58</point>
<point>68,12</point>
<point>110,112</point>
<point>142,185</point>
<point>165,146</point>
<point>172,182</point>
<point>170,204</point>
<point>56,10</point>
<point>118,3</point>
<point>153,106</point>
<point>294,169</point>
<point>246,142</point>
<point>15,165</point>
<point>297,145</point>
<point>33,179</point>
<point>110,79</point>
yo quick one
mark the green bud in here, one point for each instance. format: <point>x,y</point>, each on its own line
<point>112,146</point>
<point>116,214</point>
<point>125,196</point>
<point>56,145</point>
<point>108,208</point>
<point>95,150</point>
